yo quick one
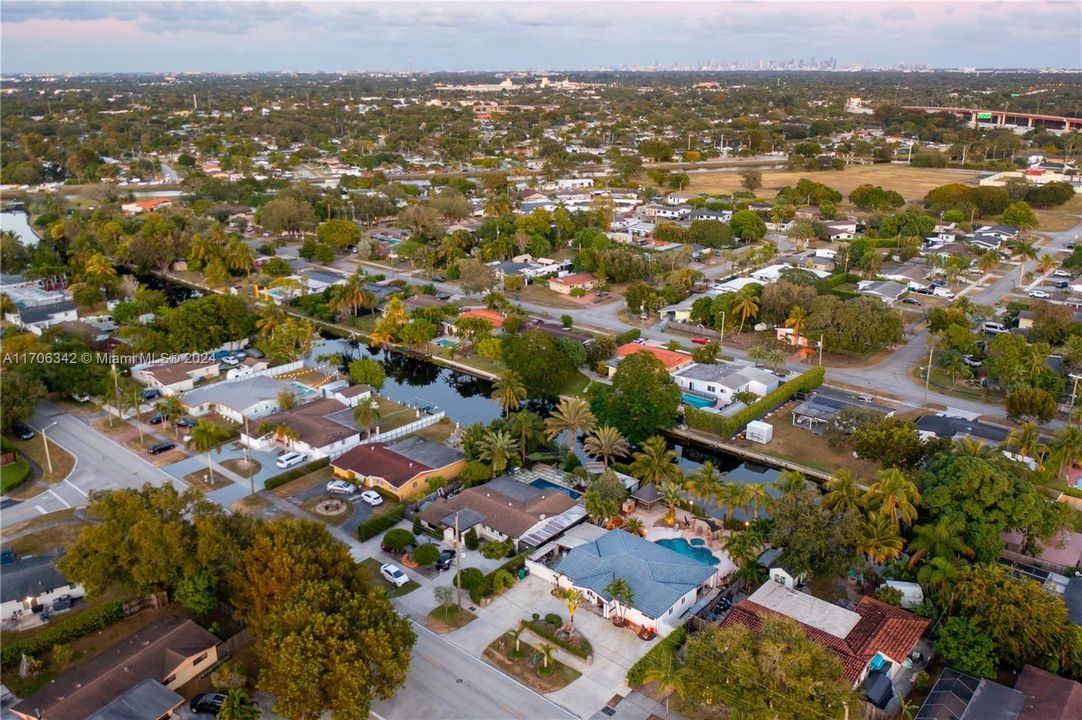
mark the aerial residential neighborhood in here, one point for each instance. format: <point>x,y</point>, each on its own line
<point>491,362</point>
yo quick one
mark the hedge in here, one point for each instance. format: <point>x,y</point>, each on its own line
<point>512,566</point>
<point>63,631</point>
<point>376,524</point>
<point>840,279</point>
<point>293,474</point>
<point>636,674</point>
<point>729,426</point>
<point>625,337</point>
<point>582,650</point>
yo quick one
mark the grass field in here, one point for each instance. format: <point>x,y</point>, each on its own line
<point>13,475</point>
<point>911,182</point>
<point>63,462</point>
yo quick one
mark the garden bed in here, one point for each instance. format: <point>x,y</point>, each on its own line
<point>528,669</point>
<point>445,620</point>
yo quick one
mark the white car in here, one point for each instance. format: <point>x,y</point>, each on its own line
<point>971,361</point>
<point>1040,294</point>
<point>372,497</point>
<point>230,361</point>
<point>393,574</point>
<point>341,487</point>
<point>1063,273</point>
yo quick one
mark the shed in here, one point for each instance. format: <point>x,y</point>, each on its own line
<point>759,432</point>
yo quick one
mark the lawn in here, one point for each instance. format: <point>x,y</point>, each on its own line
<point>238,466</point>
<point>393,415</point>
<point>202,481</point>
<point>576,385</point>
<point>941,383</point>
<point>372,566</point>
<point>63,462</point>
<point>13,475</point>
<point>316,477</point>
<point>338,518</point>
<point>527,667</point>
<point>1055,221</point>
<point>61,535</point>
<point>541,295</point>
<point>445,620</point>
<point>913,183</point>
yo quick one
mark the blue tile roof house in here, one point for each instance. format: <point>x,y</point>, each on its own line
<point>663,582</point>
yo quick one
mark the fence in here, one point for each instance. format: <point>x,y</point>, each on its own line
<point>404,430</point>
<point>269,372</point>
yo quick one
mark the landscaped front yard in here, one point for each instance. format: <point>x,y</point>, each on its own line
<point>393,591</point>
<point>529,664</point>
<point>448,618</point>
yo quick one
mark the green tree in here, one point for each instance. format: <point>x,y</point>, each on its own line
<point>751,180</point>
<point>1020,215</point>
<point>197,592</point>
<point>967,648</point>
<point>238,706</point>
<point>1031,402</point>
<point>889,440</point>
<point>844,494</point>
<point>655,462</point>
<point>367,371</point>
<point>813,542</point>
<point>426,555</point>
<point>747,226</point>
<point>621,593</point>
<point>367,414</point>
<point>878,538</point>
<point>208,438</point>
<point>605,443</point>
<point>642,399</point>
<point>497,448</point>
<point>895,495</point>
<point>669,677</point>
<point>286,215</point>
<point>509,391</point>
<point>573,416</point>
<point>538,361</point>
<point>943,539</point>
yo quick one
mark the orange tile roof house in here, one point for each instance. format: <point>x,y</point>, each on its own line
<point>169,651</point>
<point>402,468</point>
<point>491,315</point>
<point>863,639</point>
<point>150,205</point>
<point>671,359</point>
<point>578,281</point>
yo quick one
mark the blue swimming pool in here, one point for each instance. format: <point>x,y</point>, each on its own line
<point>445,343</point>
<point>682,546</point>
<point>546,485</point>
<point>696,401</point>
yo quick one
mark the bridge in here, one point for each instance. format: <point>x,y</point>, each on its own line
<point>1005,117</point>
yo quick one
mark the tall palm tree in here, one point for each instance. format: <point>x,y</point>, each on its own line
<point>1067,447</point>
<point>943,539</point>
<point>747,307</point>
<point>348,297</point>
<point>171,409</point>
<point>844,494</point>
<point>546,651</point>
<point>207,438</point>
<point>671,493</point>
<point>367,415</point>
<point>395,312</point>
<point>878,538</point>
<point>895,496</point>
<point>497,447</point>
<point>509,391</point>
<point>606,443</point>
<point>669,677</point>
<point>796,321</point>
<point>655,463</point>
<point>733,496</point>
<point>743,546</point>
<point>525,425</point>
<point>100,266</point>
<point>1023,250</point>
<point>758,498</point>
<point>572,415</point>
<point>1026,441</point>
<point>973,446</point>
<point>706,482</point>
<point>572,599</point>
<point>240,257</point>
<point>621,593</point>
<point>270,317</point>
<point>939,577</point>
<point>789,482</point>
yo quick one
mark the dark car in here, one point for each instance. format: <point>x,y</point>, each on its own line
<point>159,448</point>
<point>911,301</point>
<point>1062,285</point>
<point>443,296</point>
<point>151,394</point>
<point>207,703</point>
<point>439,278</point>
<point>186,422</point>
<point>447,557</point>
<point>156,418</point>
<point>23,431</point>
<point>922,291</point>
<point>254,353</point>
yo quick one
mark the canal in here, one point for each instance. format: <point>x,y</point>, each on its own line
<point>18,222</point>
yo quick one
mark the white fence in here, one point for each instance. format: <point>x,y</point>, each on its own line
<point>405,429</point>
<point>269,372</point>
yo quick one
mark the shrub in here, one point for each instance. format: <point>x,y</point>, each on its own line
<point>554,620</point>
<point>578,292</point>
<point>582,648</point>
<point>636,674</point>
<point>294,473</point>
<point>567,321</point>
<point>62,631</point>
<point>469,578</point>
<point>373,526</point>
<point>426,554</point>
<point>626,337</point>
<point>471,539</point>
<point>398,539</point>
<point>417,527</point>
<point>62,656</point>
<point>494,550</point>
<point>729,426</point>
<point>501,579</point>
<point>481,590</point>
<point>536,617</point>
<point>475,473</point>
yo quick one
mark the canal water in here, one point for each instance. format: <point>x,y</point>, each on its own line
<point>18,222</point>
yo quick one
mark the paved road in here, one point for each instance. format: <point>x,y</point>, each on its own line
<point>100,464</point>
<point>445,683</point>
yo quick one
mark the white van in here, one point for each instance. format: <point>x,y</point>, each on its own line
<point>290,459</point>
<point>943,293</point>
<point>995,328</point>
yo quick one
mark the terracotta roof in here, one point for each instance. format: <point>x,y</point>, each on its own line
<point>576,279</point>
<point>151,203</point>
<point>380,460</point>
<point>151,653</point>
<point>882,629</point>
<point>668,358</point>
<point>354,390</point>
<point>175,372</point>
<point>491,315</point>
<point>1048,696</point>
<point>311,423</point>
<point>504,504</point>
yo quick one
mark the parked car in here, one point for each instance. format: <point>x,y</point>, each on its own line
<point>443,296</point>
<point>921,291</point>
<point>447,558</point>
<point>1069,246</point>
<point>1040,294</point>
<point>151,394</point>
<point>254,353</point>
<point>1063,273</point>
<point>994,327</point>
<point>640,341</point>
<point>23,431</point>
<point>186,422</point>
<point>372,497</point>
<point>393,574</point>
<point>210,703</point>
<point>1062,285</point>
<point>700,340</point>
<point>911,301</point>
<point>341,487</point>
<point>80,397</point>
<point>159,448</point>
<point>157,419</point>
<point>972,361</point>
<point>290,459</point>
<point>230,360</point>
<point>439,278</point>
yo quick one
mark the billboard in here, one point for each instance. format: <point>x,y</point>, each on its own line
<point>984,116</point>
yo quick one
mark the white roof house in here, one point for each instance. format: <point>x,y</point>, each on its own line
<point>249,398</point>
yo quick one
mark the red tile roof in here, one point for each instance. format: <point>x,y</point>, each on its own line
<point>576,279</point>
<point>375,460</point>
<point>669,358</point>
<point>491,315</point>
<point>882,629</point>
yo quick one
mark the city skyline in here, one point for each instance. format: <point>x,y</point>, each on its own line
<point>88,37</point>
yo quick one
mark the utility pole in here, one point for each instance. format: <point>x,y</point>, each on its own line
<point>928,375</point>
<point>247,464</point>
<point>458,564</point>
<point>821,337</point>
<point>45,440</point>
<point>722,339</point>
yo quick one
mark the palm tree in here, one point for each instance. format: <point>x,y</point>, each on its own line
<point>497,205</point>
<point>367,415</point>
<point>207,438</point>
<point>572,598</point>
<point>743,546</point>
<point>525,425</point>
<point>620,591</point>
<point>270,317</point>
<point>733,496</point>
<point>655,463</point>
<point>599,506</point>
<point>572,415</point>
<point>758,353</point>
<point>987,261</point>
<point>878,538</point>
<point>973,446</point>
<point>1026,441</point>
<point>1067,447</point>
<point>634,526</point>
<point>939,577</point>
<point>706,482</point>
<point>100,266</point>
<point>943,539</point>
<point>671,493</point>
<point>546,651</point>
<point>240,257</point>
<point>516,636</point>
<point>844,494</point>
<point>747,307</point>
<point>171,409</point>
<point>238,706</point>
<point>395,312</point>
<point>669,677</point>
<point>497,447</point>
<point>758,497</point>
<point>895,496</point>
<point>790,482</point>
<point>348,297</point>
<point>796,321</point>
<point>509,391</point>
<point>1023,250</point>
<point>606,443</point>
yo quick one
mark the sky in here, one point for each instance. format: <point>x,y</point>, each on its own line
<point>211,36</point>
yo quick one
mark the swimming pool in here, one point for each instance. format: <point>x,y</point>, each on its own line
<point>546,485</point>
<point>682,546</point>
<point>445,343</point>
<point>696,401</point>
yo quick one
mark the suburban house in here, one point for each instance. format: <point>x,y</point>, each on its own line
<point>350,396</point>
<point>825,404</point>
<point>874,637</point>
<point>704,214</point>
<point>671,359</point>
<point>323,427</point>
<point>148,699</point>
<point>913,274</point>
<point>136,207</point>
<point>1048,696</point>
<point>1036,695</point>
<point>681,311</point>
<point>887,291</point>
<point>32,584</point>
<point>569,283</point>
<point>505,508</point>
<point>38,318</point>
<point>665,584</point>
<point>315,280</point>
<point>174,378</point>
<point>680,198</point>
<point>170,652</point>
<point>956,428</point>
<point>723,380</point>
<point>984,241</point>
<point>841,230</point>
<point>1003,232</point>
<point>777,571</point>
<point>494,318</point>
<point>402,468</point>
<point>248,398</point>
